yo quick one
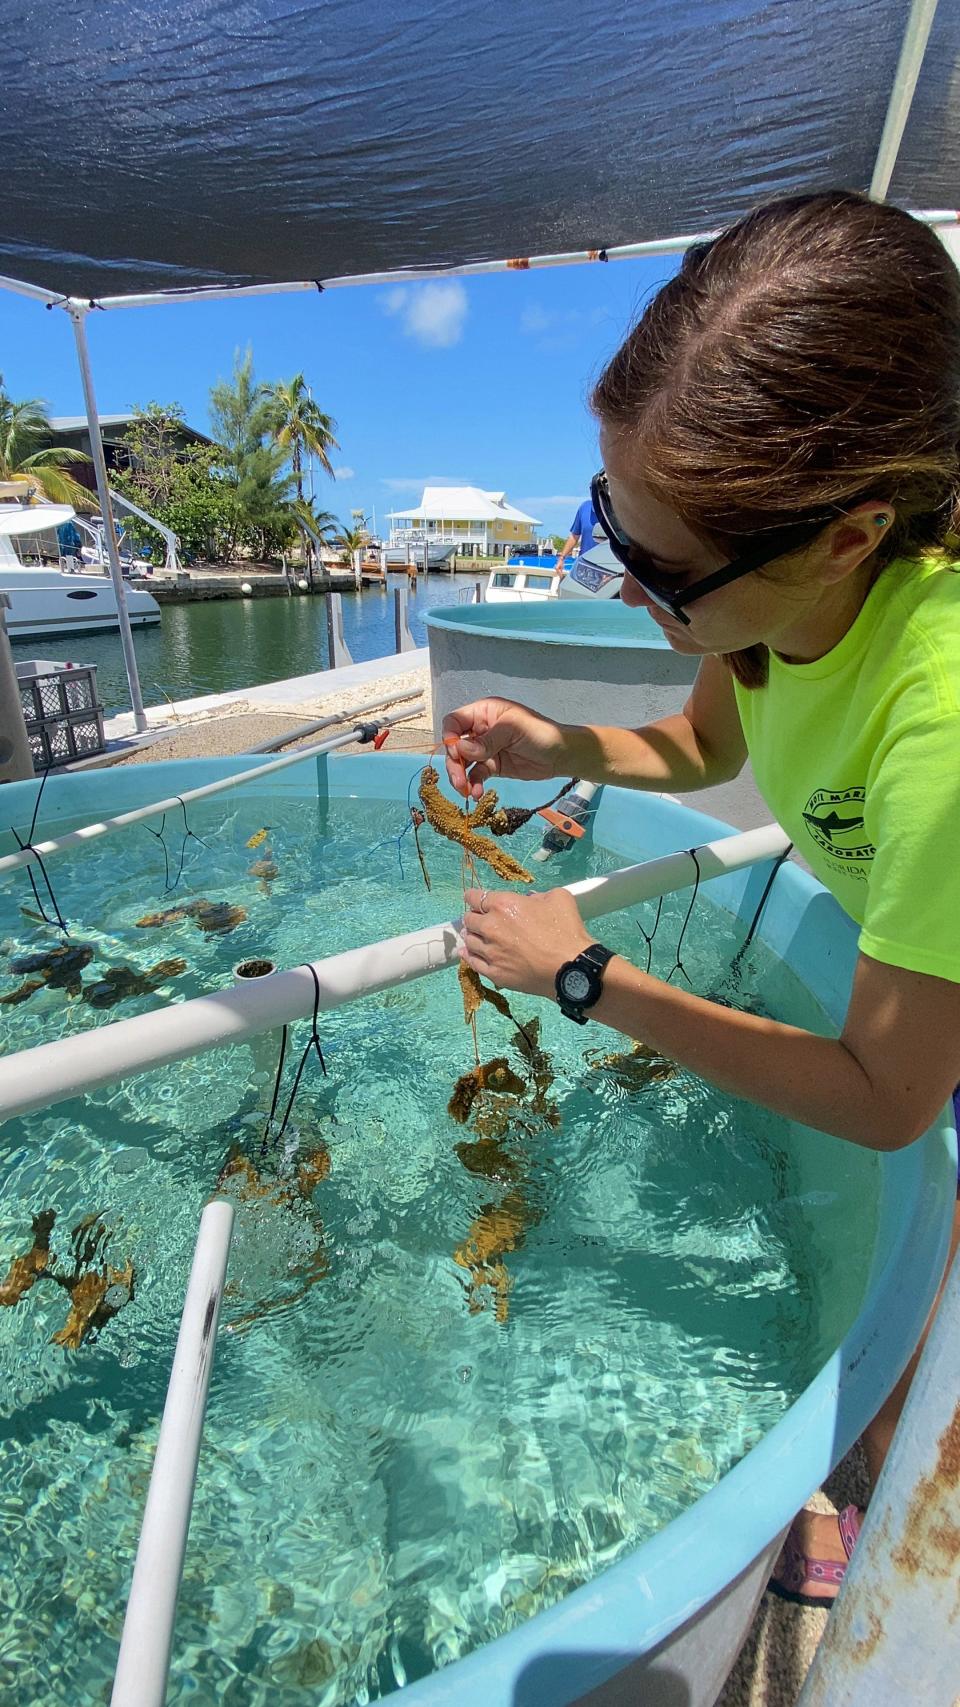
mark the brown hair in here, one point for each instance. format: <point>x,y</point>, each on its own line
<point>807,358</point>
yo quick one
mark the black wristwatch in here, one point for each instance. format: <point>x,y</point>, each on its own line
<point>579,982</point>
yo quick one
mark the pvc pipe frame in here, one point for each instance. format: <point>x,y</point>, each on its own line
<point>277,741</point>
<point>52,1072</point>
<point>141,1675</point>
<point>89,832</point>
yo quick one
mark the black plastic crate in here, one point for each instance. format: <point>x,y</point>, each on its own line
<point>58,741</point>
<point>62,711</point>
<point>56,690</point>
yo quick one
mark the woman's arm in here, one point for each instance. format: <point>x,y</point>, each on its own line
<point>880,1084</point>
<point>702,745</point>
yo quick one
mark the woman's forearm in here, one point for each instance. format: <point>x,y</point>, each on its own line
<point>662,756</point>
<point>814,1080</point>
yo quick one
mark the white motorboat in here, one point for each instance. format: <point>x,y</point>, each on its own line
<point>521,583</point>
<point>46,600</point>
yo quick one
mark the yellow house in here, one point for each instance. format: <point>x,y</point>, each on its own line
<point>480,523</point>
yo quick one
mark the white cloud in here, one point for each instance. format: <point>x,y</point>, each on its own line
<point>566,321</point>
<point>433,314</point>
<point>416,483</point>
<point>344,472</point>
<point>561,501</point>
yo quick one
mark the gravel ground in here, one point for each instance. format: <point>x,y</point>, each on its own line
<point>237,728</point>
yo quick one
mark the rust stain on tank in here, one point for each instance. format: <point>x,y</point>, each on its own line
<point>930,1543</point>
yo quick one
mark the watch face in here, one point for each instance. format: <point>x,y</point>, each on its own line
<point>576,985</point>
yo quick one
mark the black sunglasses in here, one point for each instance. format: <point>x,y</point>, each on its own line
<point>639,564</point>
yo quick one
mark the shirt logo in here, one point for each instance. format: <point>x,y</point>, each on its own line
<point>834,818</point>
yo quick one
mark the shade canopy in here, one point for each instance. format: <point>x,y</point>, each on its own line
<point>233,142</point>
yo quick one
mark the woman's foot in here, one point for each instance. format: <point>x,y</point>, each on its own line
<point>813,1559</point>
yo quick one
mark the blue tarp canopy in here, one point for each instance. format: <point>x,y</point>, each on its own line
<point>154,146</point>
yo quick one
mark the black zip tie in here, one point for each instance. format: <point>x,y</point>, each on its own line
<point>736,964</point>
<point>649,939</point>
<point>313,1042</point>
<point>58,919</point>
<point>187,835</point>
<point>158,836</point>
<point>276,1092</point>
<point>678,965</point>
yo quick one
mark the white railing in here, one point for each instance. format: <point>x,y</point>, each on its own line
<point>52,1072</point>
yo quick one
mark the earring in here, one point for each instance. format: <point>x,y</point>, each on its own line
<point>881,521</point>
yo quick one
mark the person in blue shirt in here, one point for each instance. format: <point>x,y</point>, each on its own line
<point>581,535</point>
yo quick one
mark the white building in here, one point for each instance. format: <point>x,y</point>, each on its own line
<point>481,523</point>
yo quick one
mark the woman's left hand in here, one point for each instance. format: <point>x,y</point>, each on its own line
<point>520,942</point>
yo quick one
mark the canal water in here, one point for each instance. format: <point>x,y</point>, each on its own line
<point>220,645</point>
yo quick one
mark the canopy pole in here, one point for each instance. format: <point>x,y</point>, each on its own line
<point>892,1635</point>
<point>78,314</point>
<point>901,95</point>
<point>52,1072</point>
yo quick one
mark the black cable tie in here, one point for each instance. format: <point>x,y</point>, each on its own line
<point>678,965</point>
<point>602,255</point>
<point>320,287</point>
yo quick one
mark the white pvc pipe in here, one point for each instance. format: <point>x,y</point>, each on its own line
<point>141,1675</point>
<point>52,1072</point>
<point>89,832</point>
<point>901,95</point>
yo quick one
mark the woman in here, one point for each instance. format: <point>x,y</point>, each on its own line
<point>780,437</point>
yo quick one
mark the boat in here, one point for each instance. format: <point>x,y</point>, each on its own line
<point>596,574</point>
<point>524,579</point>
<point>44,600</point>
<point>439,553</point>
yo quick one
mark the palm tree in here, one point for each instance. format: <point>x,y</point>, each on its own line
<point>314,525</point>
<point>29,460</point>
<point>298,426</point>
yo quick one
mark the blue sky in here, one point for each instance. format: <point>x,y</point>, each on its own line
<point>477,381</point>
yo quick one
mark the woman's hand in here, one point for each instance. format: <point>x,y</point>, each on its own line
<point>496,737</point>
<point>520,942</point>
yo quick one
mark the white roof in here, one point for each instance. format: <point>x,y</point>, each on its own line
<point>74,423</point>
<point>463,503</point>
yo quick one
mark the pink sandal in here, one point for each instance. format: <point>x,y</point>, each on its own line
<point>797,1577</point>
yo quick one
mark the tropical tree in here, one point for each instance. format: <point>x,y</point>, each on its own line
<point>28,459</point>
<point>241,412</point>
<point>352,539</point>
<point>299,428</point>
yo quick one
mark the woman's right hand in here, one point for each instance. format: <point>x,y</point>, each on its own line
<point>497,737</point>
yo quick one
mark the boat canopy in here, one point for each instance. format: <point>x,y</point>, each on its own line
<point>158,148</point>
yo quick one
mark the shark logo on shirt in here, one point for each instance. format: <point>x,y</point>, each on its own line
<point>834,818</point>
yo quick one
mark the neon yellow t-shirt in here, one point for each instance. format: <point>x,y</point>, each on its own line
<point>858,757</point>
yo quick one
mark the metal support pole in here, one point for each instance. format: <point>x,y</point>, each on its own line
<point>16,759</point>
<point>401,627</point>
<point>893,1635</point>
<point>78,315</point>
<point>338,650</point>
<point>901,95</point>
<point>141,1676</point>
